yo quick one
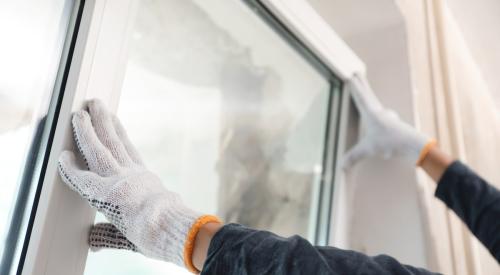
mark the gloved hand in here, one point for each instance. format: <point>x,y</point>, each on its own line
<point>384,134</point>
<point>145,216</point>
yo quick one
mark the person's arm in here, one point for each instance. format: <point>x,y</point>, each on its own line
<point>476,202</point>
<point>236,249</point>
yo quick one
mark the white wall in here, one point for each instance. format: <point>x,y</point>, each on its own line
<point>479,22</point>
<point>385,211</point>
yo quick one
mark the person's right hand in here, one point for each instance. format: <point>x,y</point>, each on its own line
<point>384,134</point>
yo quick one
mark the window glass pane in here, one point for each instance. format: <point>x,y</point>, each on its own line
<point>32,37</point>
<point>228,114</point>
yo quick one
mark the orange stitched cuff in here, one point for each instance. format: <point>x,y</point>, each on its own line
<point>191,238</point>
<point>425,151</point>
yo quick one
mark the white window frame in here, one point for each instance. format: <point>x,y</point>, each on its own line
<point>58,242</point>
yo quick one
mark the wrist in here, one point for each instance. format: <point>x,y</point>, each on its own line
<point>202,243</point>
<point>198,240</point>
<point>426,149</point>
<point>435,163</point>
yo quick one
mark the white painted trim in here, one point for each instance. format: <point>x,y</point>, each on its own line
<point>59,241</point>
<point>329,170</point>
<point>300,17</point>
<point>341,201</point>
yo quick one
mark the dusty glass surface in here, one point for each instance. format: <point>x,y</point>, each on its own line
<point>227,114</point>
<point>32,35</point>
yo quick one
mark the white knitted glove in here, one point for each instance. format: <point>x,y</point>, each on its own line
<point>154,221</point>
<point>384,134</point>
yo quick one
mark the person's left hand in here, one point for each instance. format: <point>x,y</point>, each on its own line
<point>144,216</point>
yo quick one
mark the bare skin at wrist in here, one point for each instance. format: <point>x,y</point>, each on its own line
<point>435,163</point>
<point>202,242</point>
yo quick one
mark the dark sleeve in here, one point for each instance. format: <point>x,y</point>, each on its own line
<point>236,249</point>
<point>475,201</point>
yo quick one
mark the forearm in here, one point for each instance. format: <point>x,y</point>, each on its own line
<point>476,202</point>
<point>236,249</point>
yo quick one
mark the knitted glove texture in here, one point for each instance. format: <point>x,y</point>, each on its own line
<point>384,134</point>
<point>144,216</point>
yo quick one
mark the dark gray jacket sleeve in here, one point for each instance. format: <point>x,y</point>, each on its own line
<point>475,201</point>
<point>236,249</point>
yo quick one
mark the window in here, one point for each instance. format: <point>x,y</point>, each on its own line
<point>233,103</point>
<point>33,35</point>
<point>228,114</point>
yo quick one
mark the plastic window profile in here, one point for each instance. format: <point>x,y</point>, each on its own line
<point>325,196</point>
<point>97,27</point>
<point>58,240</point>
<point>33,173</point>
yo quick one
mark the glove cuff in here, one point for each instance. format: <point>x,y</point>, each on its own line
<point>425,151</point>
<point>191,238</point>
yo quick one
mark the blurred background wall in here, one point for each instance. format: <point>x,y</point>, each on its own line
<point>401,43</point>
